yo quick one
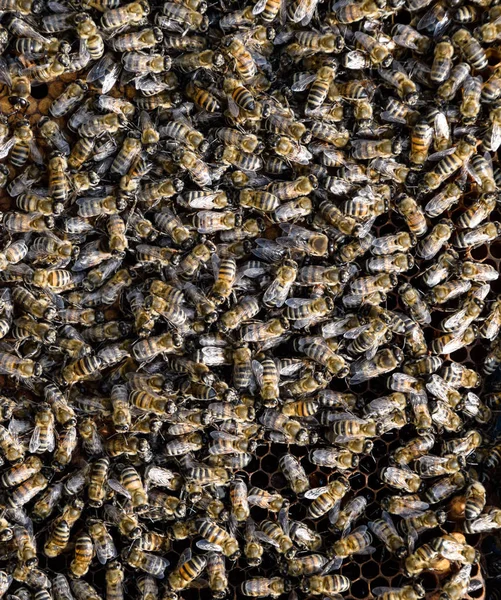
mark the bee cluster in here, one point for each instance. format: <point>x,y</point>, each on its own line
<point>244,260</point>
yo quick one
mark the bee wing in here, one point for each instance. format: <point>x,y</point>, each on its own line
<point>105,67</point>
<point>332,565</point>
<point>441,126</point>
<point>7,147</point>
<point>303,81</point>
<point>334,512</point>
<point>387,116</point>
<point>456,321</point>
<point>351,334</point>
<point>304,11</point>
<point>389,521</point>
<point>283,520</point>
<point>223,435</point>
<point>414,508</point>
<point>440,21</point>
<point>355,60</point>
<point>259,7</point>
<point>35,439</point>
<point>118,487</point>
<point>18,427</point>
<point>379,591</point>
<point>439,155</point>
<point>495,137</point>
<point>315,492</point>
<point>51,440</point>
<point>4,73</point>
<point>105,550</point>
<point>258,370</point>
<point>268,250</point>
<point>262,537</point>
<point>403,38</point>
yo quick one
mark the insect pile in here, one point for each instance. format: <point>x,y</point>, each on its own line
<point>249,299</point>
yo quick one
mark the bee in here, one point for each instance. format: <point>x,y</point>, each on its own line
<point>457,586</point>
<point>407,592</point>
<point>430,246</point>
<point>58,539</point>
<point>490,328</point>
<point>84,552</point>
<point>442,61</point>
<point>294,473</point>
<point>218,580</point>
<point>414,449</point>
<point>399,80</point>
<point>490,90</point>
<point>487,521</point>
<point>305,565</point>
<point>342,519</point>
<point>181,18</point>
<point>445,487</point>
<point>356,542</point>
<point>263,587</point>
<point>384,361</point>
<point>151,564</point>
<point>217,539</point>
<point>386,531</point>
<point>258,200</point>
<point>470,48</point>
<point>434,466</point>
<point>103,542</point>
<point>470,105</point>
<point>477,236</point>
<point>378,53</point>
<point>186,571</point>
<point>318,87</point>
<point>402,478</point>
<point>326,498</point>
<point>148,588</point>
<point>413,215</point>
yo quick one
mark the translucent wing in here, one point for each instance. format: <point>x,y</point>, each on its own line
<point>118,487</point>
<point>303,81</point>
<point>205,545</point>
<point>315,492</point>
<point>35,439</point>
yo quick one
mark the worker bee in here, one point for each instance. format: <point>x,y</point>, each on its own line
<point>103,542</point>
<point>152,564</point>
<point>262,587</point>
<point>400,81</point>
<point>407,592</point>
<point>470,48</point>
<point>326,498</point>
<point>294,473</point>
<point>458,585</point>
<point>384,361</point>
<point>217,539</point>
<point>386,531</point>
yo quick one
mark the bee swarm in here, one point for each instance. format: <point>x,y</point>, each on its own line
<point>249,310</point>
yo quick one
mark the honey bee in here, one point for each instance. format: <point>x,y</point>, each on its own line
<point>384,361</point>
<point>294,473</point>
<point>84,552</point>
<point>186,571</point>
<point>386,531</point>
<point>445,487</point>
<point>399,80</point>
<point>470,48</point>
<point>487,521</point>
<point>457,586</point>
<point>414,449</point>
<point>217,539</point>
<point>151,564</point>
<point>263,587</point>
<point>103,542</point>
<point>342,519</point>
<point>326,498</point>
